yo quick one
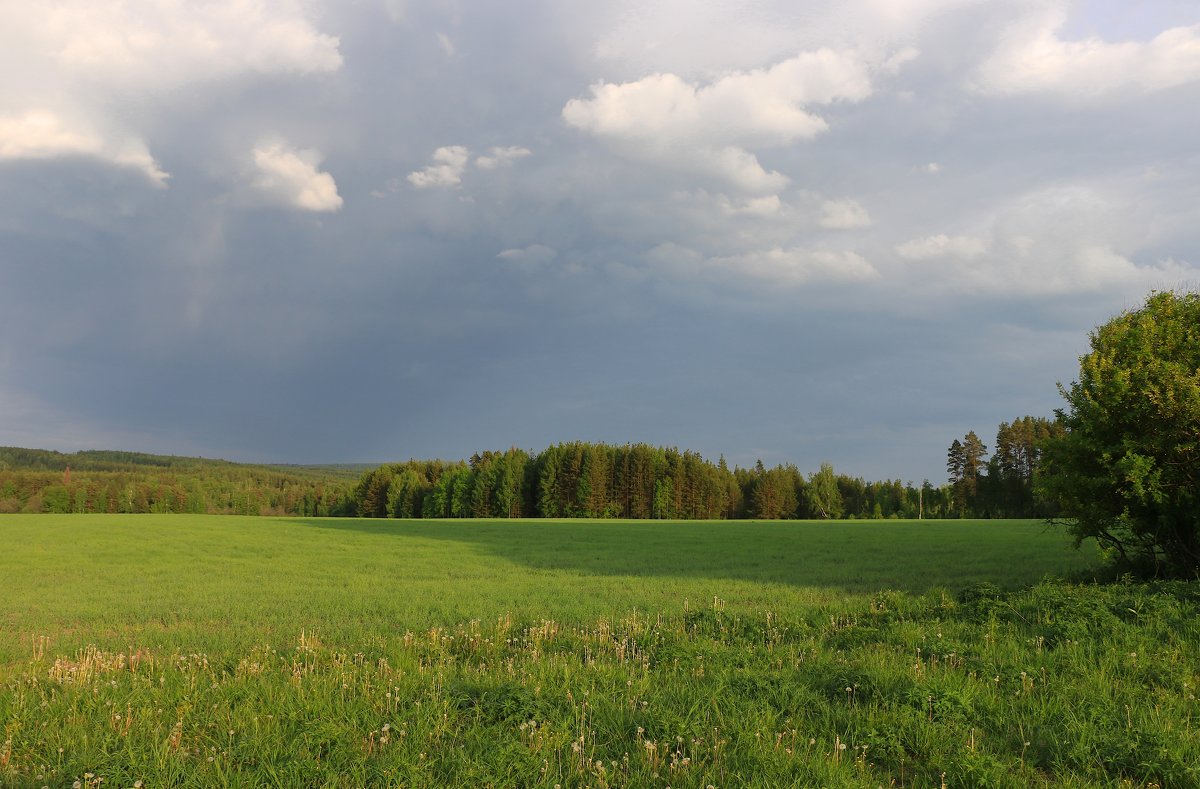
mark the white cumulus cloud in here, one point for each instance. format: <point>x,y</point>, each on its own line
<point>712,128</point>
<point>941,246</point>
<point>76,76</point>
<point>449,163</point>
<point>766,206</point>
<point>797,265</point>
<point>530,256</point>
<point>777,265</point>
<point>1085,267</point>
<point>290,177</point>
<point>501,157</point>
<point>844,214</point>
<point>42,134</point>
<point>1068,238</point>
<point>1033,57</point>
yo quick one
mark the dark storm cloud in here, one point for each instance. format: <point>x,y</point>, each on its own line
<point>928,264</point>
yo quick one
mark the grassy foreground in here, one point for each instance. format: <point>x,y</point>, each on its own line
<point>221,651</point>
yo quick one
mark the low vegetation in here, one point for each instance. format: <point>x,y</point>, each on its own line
<point>202,651</point>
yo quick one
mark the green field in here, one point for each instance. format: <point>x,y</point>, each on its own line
<point>212,651</point>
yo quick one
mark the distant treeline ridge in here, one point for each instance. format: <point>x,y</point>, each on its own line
<point>592,480</point>
<point>568,480</point>
<point>38,480</point>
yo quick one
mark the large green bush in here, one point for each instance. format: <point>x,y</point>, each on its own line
<point>1127,471</point>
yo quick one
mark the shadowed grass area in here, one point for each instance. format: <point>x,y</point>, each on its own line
<point>850,556</point>
<point>221,651</point>
<point>174,578</point>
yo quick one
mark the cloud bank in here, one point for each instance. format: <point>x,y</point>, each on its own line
<point>82,78</point>
<point>803,232</point>
<point>1032,57</point>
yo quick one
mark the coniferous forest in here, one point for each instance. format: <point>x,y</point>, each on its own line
<point>568,480</point>
<point>586,480</point>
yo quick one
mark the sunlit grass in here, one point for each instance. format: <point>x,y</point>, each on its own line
<point>171,579</point>
<point>206,651</point>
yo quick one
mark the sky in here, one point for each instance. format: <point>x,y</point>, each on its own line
<point>309,231</point>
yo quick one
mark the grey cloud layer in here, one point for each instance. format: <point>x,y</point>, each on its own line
<point>366,231</point>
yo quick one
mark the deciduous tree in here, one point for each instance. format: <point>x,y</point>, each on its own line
<point>1127,470</point>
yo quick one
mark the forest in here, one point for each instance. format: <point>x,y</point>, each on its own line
<point>591,480</point>
<point>37,480</point>
<point>567,480</point>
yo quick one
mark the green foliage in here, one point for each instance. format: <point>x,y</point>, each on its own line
<point>1008,488</point>
<point>1001,486</point>
<point>34,480</point>
<point>773,493</point>
<point>583,480</point>
<point>824,498</point>
<point>664,494</point>
<point>965,465</point>
<point>56,498</point>
<point>405,495</point>
<point>1127,470</point>
<point>371,494</point>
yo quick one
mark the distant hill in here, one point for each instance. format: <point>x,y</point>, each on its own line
<point>41,480</point>
<point>22,459</point>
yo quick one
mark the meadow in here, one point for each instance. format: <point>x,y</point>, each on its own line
<point>150,650</point>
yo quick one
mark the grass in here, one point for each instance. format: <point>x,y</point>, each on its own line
<point>211,651</point>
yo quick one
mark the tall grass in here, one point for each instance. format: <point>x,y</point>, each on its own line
<point>280,652</point>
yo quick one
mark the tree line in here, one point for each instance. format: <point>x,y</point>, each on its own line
<point>34,480</point>
<point>1002,486</point>
<point>1119,464</point>
<point>595,480</point>
<point>566,480</point>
